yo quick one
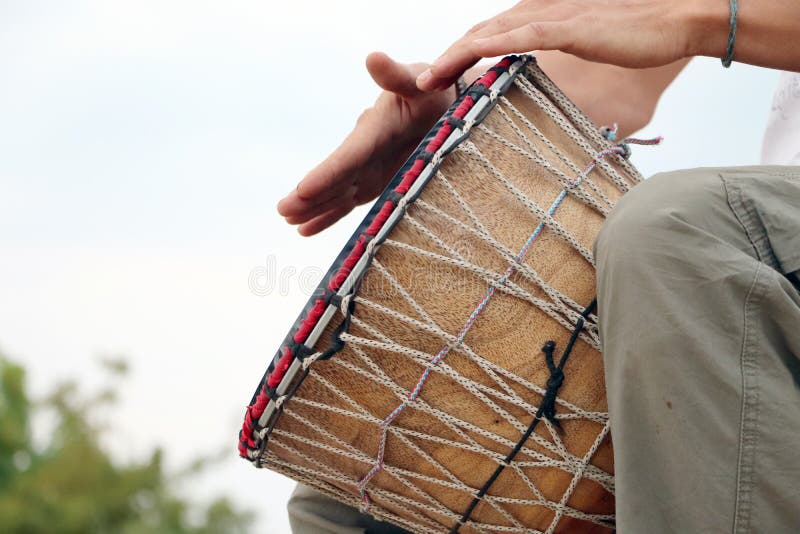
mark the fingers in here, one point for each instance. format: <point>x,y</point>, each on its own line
<point>360,168</point>
<point>531,36</point>
<point>332,177</point>
<point>302,211</point>
<point>445,71</point>
<point>460,56</point>
<point>323,221</point>
<point>393,76</point>
<point>524,20</point>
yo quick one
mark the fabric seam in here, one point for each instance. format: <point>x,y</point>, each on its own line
<point>758,237</point>
<point>748,434</point>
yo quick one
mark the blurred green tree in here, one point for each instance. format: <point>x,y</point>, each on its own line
<point>72,486</point>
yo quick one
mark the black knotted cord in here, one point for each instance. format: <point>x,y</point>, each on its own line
<point>547,408</point>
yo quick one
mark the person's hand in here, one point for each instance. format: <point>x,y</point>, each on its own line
<point>384,136</point>
<point>629,33</point>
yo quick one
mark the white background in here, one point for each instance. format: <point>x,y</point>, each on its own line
<point>143,147</point>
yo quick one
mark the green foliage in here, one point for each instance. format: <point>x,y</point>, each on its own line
<point>71,485</point>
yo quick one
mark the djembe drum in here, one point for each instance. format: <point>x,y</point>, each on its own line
<point>446,374</point>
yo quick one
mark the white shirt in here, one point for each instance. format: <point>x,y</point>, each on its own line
<point>782,137</point>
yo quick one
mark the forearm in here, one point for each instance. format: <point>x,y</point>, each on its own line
<point>609,94</point>
<point>635,34</point>
<point>767,35</point>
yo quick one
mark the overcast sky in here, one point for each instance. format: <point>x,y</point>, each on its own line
<point>143,147</point>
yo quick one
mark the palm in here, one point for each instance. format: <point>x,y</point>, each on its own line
<point>383,138</point>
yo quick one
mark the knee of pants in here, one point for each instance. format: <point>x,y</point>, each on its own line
<point>663,217</point>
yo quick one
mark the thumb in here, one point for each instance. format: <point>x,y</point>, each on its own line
<point>392,76</point>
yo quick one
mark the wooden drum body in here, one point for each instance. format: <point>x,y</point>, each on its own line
<point>413,384</point>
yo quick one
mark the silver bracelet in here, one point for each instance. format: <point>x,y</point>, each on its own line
<point>728,58</point>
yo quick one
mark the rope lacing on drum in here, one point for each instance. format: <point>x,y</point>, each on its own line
<point>547,409</point>
<point>622,149</point>
<point>367,343</point>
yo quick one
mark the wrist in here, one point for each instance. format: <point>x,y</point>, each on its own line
<point>707,25</point>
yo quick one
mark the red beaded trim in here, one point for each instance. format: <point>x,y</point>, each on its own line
<point>274,378</point>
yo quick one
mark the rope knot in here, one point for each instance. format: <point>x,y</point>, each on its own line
<point>548,406</point>
<point>609,132</point>
<point>555,380</point>
<point>364,506</point>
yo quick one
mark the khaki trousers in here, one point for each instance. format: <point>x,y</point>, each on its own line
<point>697,281</point>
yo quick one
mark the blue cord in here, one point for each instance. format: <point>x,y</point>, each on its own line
<point>728,59</point>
